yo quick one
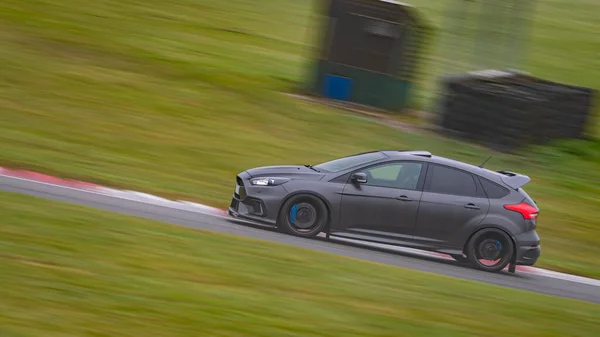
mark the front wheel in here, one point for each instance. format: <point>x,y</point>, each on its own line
<point>490,250</point>
<point>303,215</point>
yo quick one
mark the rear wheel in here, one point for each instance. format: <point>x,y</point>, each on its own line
<point>303,215</point>
<point>490,250</point>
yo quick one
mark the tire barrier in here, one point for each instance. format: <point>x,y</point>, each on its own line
<point>510,110</point>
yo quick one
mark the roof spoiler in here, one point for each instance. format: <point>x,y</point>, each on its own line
<point>514,180</point>
<point>419,153</point>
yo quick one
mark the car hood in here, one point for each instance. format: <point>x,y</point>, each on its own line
<point>291,171</point>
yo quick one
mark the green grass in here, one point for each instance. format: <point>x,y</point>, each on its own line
<point>67,270</point>
<point>175,98</point>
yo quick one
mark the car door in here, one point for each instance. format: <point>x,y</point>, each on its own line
<point>452,201</point>
<point>387,204</point>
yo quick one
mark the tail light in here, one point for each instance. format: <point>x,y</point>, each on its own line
<point>527,211</point>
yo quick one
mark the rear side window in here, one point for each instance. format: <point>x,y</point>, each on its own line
<point>447,180</point>
<point>493,190</point>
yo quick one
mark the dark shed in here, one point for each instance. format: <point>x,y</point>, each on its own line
<point>368,52</point>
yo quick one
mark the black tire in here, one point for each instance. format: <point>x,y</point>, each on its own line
<point>307,220</point>
<point>460,258</point>
<point>490,244</point>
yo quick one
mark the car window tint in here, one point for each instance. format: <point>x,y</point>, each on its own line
<point>395,175</point>
<point>408,178</point>
<point>450,181</point>
<point>386,172</point>
<point>493,190</point>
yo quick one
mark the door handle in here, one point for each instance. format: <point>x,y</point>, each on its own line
<point>471,206</point>
<point>403,198</point>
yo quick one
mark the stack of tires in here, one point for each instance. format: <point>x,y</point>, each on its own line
<point>508,112</point>
<point>568,106</point>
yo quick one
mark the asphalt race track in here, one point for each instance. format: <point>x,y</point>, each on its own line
<point>213,222</point>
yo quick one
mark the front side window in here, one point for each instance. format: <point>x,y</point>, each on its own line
<point>447,180</point>
<point>401,175</point>
<point>346,163</point>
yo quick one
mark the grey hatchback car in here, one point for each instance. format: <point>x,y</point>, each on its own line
<point>405,198</point>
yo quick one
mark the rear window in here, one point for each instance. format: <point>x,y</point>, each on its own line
<point>493,190</point>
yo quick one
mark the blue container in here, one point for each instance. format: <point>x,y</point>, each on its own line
<point>337,87</point>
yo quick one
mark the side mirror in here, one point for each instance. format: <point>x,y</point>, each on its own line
<point>359,177</point>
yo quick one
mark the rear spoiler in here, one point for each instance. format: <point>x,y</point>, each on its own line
<point>514,180</point>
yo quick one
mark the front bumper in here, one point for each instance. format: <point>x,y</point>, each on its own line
<point>528,248</point>
<point>256,203</point>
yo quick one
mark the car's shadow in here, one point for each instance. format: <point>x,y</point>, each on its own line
<point>387,249</point>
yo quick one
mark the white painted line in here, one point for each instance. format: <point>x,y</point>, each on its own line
<point>147,196</point>
<point>200,206</point>
<point>567,277</point>
<point>117,194</point>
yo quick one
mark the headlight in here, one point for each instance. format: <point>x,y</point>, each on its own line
<point>268,181</point>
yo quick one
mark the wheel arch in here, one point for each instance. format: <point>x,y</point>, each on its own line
<point>313,194</point>
<point>490,226</point>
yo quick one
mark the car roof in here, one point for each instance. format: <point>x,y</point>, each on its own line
<point>428,157</point>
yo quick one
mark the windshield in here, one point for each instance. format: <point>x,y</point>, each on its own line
<point>345,163</point>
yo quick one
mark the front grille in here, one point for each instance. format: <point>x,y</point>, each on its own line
<point>257,208</point>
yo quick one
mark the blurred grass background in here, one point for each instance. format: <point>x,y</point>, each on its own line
<point>68,270</point>
<point>175,98</point>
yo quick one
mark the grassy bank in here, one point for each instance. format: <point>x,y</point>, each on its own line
<point>71,271</point>
<point>176,98</point>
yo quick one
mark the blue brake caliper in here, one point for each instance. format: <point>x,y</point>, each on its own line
<point>293,213</point>
<point>499,244</point>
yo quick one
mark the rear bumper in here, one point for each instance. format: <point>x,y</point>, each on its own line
<point>528,256</point>
<point>528,248</point>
